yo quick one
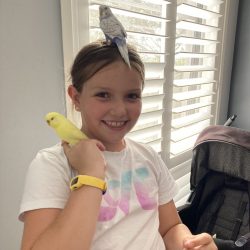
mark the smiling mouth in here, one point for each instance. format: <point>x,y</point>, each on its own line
<point>115,124</point>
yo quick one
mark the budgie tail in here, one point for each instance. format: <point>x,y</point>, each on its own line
<point>122,47</point>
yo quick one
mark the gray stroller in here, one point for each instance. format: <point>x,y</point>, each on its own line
<point>220,187</point>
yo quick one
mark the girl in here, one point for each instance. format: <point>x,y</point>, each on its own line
<point>137,211</point>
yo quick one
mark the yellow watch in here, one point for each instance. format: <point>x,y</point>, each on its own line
<point>81,180</point>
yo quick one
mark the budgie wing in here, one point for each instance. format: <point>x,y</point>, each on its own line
<point>70,133</point>
<point>112,27</point>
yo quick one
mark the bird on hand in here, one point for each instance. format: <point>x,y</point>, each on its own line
<point>114,31</point>
<point>64,128</point>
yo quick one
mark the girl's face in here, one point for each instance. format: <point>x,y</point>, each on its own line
<point>110,104</point>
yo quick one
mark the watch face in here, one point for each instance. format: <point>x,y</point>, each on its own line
<point>74,181</point>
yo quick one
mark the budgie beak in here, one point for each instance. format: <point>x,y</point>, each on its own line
<point>48,121</point>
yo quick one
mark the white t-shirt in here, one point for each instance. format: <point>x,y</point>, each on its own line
<point>138,182</point>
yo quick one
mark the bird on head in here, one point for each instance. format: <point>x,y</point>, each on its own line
<point>114,31</point>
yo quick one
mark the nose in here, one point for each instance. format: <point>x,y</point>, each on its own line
<point>119,108</point>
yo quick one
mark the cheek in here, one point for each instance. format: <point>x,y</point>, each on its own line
<point>136,110</point>
<point>93,110</point>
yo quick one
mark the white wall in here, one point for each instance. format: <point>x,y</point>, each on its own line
<point>31,84</point>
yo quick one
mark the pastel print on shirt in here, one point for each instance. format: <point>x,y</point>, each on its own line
<point>138,181</point>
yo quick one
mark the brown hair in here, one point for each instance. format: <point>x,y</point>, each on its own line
<point>96,56</point>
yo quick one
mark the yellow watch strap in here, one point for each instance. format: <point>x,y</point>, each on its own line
<point>81,180</point>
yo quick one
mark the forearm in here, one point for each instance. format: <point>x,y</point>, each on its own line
<point>174,237</point>
<point>75,225</point>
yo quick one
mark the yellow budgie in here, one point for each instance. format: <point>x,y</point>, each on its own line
<point>64,128</point>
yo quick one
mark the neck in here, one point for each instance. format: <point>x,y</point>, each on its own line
<point>115,147</point>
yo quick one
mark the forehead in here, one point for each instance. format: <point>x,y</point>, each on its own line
<point>115,75</point>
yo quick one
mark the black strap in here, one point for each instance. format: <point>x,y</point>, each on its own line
<point>238,220</point>
<point>215,211</point>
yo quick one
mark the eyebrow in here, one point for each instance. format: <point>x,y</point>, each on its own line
<point>109,89</point>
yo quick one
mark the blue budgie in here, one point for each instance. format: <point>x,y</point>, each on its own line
<point>114,31</point>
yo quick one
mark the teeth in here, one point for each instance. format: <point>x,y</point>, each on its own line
<point>115,124</point>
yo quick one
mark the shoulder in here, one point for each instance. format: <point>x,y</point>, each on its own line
<point>47,180</point>
<point>50,160</point>
<point>52,153</point>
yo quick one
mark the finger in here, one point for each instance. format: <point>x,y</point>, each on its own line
<point>65,146</point>
<point>100,145</point>
<point>198,240</point>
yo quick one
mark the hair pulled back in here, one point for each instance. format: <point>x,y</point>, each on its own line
<point>95,56</point>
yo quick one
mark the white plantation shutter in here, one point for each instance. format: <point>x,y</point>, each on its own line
<point>180,43</point>
<point>195,71</point>
<point>195,81</point>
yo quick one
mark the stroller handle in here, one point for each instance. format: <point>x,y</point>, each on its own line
<point>230,120</point>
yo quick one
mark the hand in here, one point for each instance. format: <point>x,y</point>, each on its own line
<point>86,157</point>
<point>199,242</point>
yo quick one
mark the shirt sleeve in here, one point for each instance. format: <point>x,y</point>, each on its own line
<point>47,183</point>
<point>168,187</point>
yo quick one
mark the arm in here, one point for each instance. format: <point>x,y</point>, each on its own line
<point>70,228</point>
<point>176,235</point>
<point>74,226</point>
<point>171,228</point>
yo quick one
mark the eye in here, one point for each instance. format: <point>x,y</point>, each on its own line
<point>134,96</point>
<point>104,95</point>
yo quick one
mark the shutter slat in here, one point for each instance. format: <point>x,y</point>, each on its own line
<point>182,146</point>
<point>154,70</point>
<point>148,120</point>
<point>193,55</point>
<point>193,11</point>
<point>191,107</point>
<point>190,119</point>
<point>180,170</point>
<point>188,25</point>
<point>208,2</point>
<point>194,68</point>
<point>188,131</point>
<point>191,94</point>
<point>152,90</point>
<point>192,81</point>
<point>143,134</point>
<point>195,41</point>
<point>153,83</point>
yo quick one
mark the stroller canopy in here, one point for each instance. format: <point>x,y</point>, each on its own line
<point>223,149</point>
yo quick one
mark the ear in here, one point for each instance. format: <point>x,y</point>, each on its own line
<point>74,95</point>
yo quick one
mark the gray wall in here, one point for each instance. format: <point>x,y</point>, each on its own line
<point>31,84</point>
<point>240,84</point>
